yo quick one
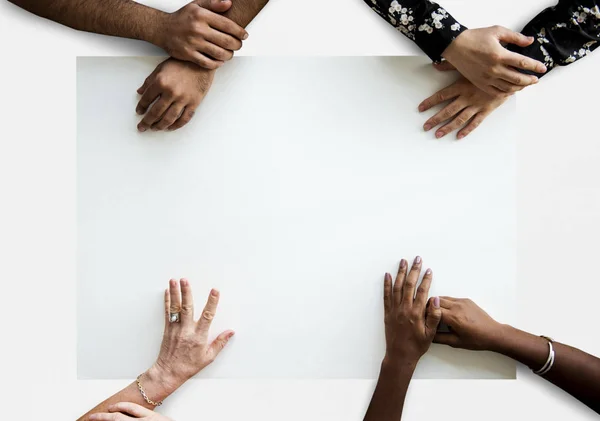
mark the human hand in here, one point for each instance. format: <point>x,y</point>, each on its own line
<point>471,327</point>
<point>410,323</point>
<point>178,88</point>
<point>480,57</point>
<point>468,107</point>
<point>198,34</point>
<point>124,411</point>
<point>185,349</point>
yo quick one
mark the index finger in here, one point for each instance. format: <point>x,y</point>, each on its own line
<point>408,289</point>
<point>228,26</point>
<point>131,409</point>
<point>522,62</point>
<point>423,289</point>
<point>209,312</point>
<point>440,96</point>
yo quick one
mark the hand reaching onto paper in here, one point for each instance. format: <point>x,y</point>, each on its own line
<point>171,94</point>
<point>479,56</point>
<point>467,108</point>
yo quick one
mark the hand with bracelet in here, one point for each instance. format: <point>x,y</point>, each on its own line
<point>574,371</point>
<point>185,351</point>
<point>411,321</point>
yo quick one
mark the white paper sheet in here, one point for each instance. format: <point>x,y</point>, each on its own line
<point>299,183</point>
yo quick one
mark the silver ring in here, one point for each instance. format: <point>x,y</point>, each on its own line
<point>174,317</point>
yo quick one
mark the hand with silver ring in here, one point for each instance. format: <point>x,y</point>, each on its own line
<point>185,348</point>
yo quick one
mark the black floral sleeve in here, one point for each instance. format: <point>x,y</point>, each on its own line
<point>423,21</point>
<point>563,33</point>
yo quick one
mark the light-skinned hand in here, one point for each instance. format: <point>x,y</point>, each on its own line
<point>410,322</point>
<point>199,34</point>
<point>478,54</point>
<point>467,107</point>
<point>171,94</point>
<point>126,411</point>
<point>185,348</point>
<point>471,327</point>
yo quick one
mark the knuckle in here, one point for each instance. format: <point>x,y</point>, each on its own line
<point>208,315</point>
<point>524,63</point>
<point>421,290</point>
<point>440,97</point>
<point>495,56</point>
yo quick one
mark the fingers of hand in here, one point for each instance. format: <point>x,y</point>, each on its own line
<point>209,312</point>
<point>155,113</point>
<point>423,290</point>
<point>439,97</point>
<point>174,297</point>
<point>151,92</point>
<point>114,416</point>
<point>473,124</point>
<point>446,339</point>
<point>457,122</point>
<point>187,302</point>
<point>131,409</point>
<point>400,277</point>
<point>224,41</point>
<point>408,288</point>
<point>205,62</point>
<point>186,117</point>
<point>215,52</point>
<point>526,63</point>
<point>387,294</point>
<point>219,343</point>
<point>434,316</point>
<point>446,113</point>
<point>512,37</point>
<point>167,306</point>
<point>170,116</point>
<point>227,26</point>
<point>517,78</point>
<point>444,66</point>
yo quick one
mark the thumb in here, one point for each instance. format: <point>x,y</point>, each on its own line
<point>511,37</point>
<point>444,66</point>
<point>219,343</point>
<point>434,315</point>
<point>217,6</point>
<point>449,339</point>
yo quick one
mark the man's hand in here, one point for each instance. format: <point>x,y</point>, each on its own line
<point>479,56</point>
<point>468,107</point>
<point>126,411</point>
<point>410,323</point>
<point>178,87</point>
<point>472,328</point>
<point>198,34</point>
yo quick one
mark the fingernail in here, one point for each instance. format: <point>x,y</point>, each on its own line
<point>428,272</point>
<point>154,129</point>
<point>439,134</point>
<point>138,111</point>
<point>403,264</point>
<point>421,108</point>
<point>417,260</point>
<point>436,302</point>
<point>142,129</point>
<point>93,417</point>
<point>214,292</point>
<point>388,277</point>
<point>245,37</point>
<point>230,335</point>
<point>427,127</point>
<point>460,136</point>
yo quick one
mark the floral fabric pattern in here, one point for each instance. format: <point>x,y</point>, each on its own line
<point>426,23</point>
<point>563,34</point>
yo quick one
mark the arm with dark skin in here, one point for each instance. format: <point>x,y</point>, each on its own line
<point>181,86</point>
<point>574,371</point>
<point>192,33</point>
<point>410,325</point>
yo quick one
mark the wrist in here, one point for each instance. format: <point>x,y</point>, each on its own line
<point>157,29</point>
<point>161,382</point>
<point>502,340</point>
<point>398,364</point>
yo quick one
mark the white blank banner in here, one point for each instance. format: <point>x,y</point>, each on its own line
<point>298,184</point>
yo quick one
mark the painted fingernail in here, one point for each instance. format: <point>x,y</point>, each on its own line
<point>388,277</point>
<point>403,264</point>
<point>214,292</point>
<point>436,302</point>
<point>428,272</point>
<point>439,134</point>
<point>418,260</point>
<point>427,127</point>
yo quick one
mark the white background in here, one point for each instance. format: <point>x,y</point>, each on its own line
<point>559,201</point>
<point>293,200</point>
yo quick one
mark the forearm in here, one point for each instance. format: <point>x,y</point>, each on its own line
<point>574,371</point>
<point>430,26</point>
<point>121,18</point>
<point>388,399</point>
<point>563,34</point>
<point>157,384</point>
<point>244,11</point>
